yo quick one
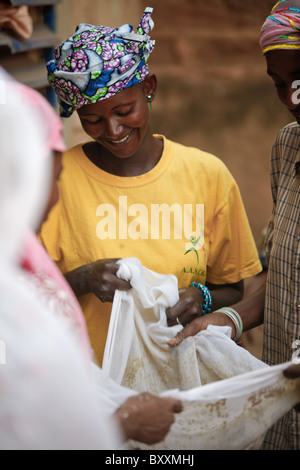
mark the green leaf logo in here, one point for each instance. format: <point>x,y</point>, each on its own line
<point>195,247</point>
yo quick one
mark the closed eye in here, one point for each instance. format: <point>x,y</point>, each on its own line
<point>91,120</point>
<point>124,112</point>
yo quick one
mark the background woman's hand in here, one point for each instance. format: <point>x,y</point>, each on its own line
<point>201,323</point>
<point>292,372</point>
<point>148,418</point>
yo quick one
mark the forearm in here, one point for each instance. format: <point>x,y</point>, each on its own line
<point>77,279</point>
<point>225,295</point>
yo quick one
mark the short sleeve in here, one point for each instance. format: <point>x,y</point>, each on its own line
<point>233,254</point>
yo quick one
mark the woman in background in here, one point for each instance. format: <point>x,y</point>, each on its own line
<point>277,304</point>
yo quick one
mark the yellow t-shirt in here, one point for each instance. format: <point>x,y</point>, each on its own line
<point>184,217</point>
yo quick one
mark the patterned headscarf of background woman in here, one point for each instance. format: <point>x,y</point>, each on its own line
<point>281,30</point>
<point>98,61</point>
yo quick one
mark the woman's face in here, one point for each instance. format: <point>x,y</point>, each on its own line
<point>119,124</point>
<point>283,66</point>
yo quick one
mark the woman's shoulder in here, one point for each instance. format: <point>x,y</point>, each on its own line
<point>191,150</point>
<point>191,155</point>
<point>73,150</point>
<point>285,151</point>
<point>289,133</point>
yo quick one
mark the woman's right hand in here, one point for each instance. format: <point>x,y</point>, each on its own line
<point>99,278</point>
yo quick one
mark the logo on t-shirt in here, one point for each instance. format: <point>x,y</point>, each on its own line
<point>196,244</point>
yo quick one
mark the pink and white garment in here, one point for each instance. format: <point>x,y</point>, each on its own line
<point>53,289</point>
<point>48,399</point>
<point>42,272</point>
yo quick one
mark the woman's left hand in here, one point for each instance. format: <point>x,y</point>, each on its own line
<point>292,372</point>
<point>189,305</point>
<point>187,308</point>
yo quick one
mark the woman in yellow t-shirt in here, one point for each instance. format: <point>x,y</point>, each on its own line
<point>131,193</point>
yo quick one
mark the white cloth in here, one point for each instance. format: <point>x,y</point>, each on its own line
<point>232,414</point>
<point>230,397</point>
<point>47,397</point>
<point>137,354</point>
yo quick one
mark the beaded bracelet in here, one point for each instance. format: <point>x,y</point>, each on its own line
<point>236,319</point>
<point>207,302</point>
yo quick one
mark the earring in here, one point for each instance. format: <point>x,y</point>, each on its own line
<point>149,98</point>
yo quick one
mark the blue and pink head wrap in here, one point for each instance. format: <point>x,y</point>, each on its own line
<point>98,61</point>
<point>281,30</point>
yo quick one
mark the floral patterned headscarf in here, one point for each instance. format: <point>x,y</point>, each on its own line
<point>98,61</point>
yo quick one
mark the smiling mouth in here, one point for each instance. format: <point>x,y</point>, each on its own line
<point>120,141</point>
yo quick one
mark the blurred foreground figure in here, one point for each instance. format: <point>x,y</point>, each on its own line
<point>46,398</point>
<point>45,372</point>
